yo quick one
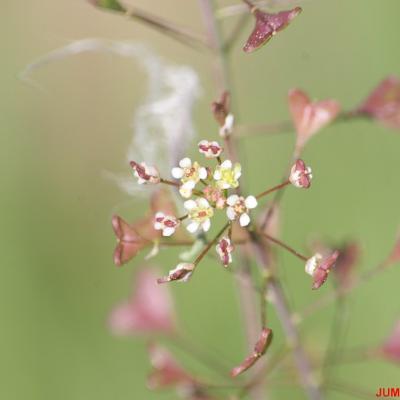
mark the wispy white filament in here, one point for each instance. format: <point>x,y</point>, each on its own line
<point>162,125</point>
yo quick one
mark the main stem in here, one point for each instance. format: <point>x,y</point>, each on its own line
<point>292,335</point>
<point>223,84</point>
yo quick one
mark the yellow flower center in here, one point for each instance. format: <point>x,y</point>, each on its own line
<point>201,214</point>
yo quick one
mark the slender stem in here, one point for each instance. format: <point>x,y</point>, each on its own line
<point>292,335</point>
<point>176,243</point>
<point>237,9</point>
<point>335,338</point>
<point>273,189</point>
<point>283,127</point>
<point>215,42</point>
<point>263,301</point>
<point>197,193</point>
<point>244,131</point>
<point>183,217</point>
<point>249,3</point>
<point>197,353</point>
<point>182,34</point>
<point>170,183</point>
<point>285,246</point>
<point>208,247</point>
<point>223,83</point>
<point>236,31</point>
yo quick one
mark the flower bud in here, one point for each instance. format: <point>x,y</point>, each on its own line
<point>181,273</point>
<point>300,175</point>
<point>210,149</point>
<point>319,267</point>
<point>145,173</point>
<point>224,249</point>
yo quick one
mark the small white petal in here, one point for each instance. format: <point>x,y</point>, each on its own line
<point>312,264</point>
<point>250,202</point>
<point>206,225</point>
<point>185,192</point>
<point>227,164</point>
<point>189,184</point>
<point>168,231</point>
<point>224,185</point>
<point>203,143</point>
<point>185,162</point>
<point>230,213</point>
<point>203,173</point>
<point>160,214</point>
<point>177,173</point>
<point>217,175</point>
<point>189,205</point>
<point>244,220</point>
<point>141,181</point>
<point>158,226</point>
<point>193,226</point>
<point>229,121</point>
<point>202,202</point>
<point>232,199</point>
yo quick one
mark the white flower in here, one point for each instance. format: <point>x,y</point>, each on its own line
<point>313,263</point>
<point>227,129</point>
<point>188,171</point>
<point>238,207</point>
<point>199,212</point>
<point>210,149</point>
<point>227,175</point>
<point>165,223</point>
<point>145,173</point>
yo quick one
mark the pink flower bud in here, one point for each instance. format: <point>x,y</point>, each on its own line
<point>319,267</point>
<point>391,348</point>
<point>181,273</point>
<point>215,196</point>
<point>148,310</point>
<point>145,173</point>
<point>309,117</point>
<point>210,149</point>
<point>383,103</point>
<point>300,175</point>
<point>224,249</point>
<point>267,25</point>
<point>259,350</point>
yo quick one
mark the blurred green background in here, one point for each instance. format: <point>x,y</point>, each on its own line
<point>58,282</point>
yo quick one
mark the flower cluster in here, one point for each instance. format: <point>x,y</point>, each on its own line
<point>207,190</point>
